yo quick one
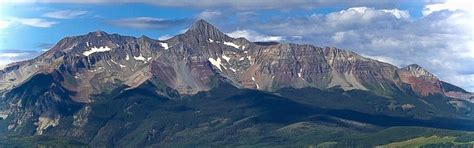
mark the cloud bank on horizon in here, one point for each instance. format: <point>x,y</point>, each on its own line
<point>437,35</point>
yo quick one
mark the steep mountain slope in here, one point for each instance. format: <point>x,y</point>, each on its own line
<point>425,83</point>
<point>189,61</point>
<point>88,86</point>
<point>230,116</point>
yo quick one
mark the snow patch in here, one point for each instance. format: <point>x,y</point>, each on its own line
<point>223,66</point>
<point>164,45</point>
<point>299,73</point>
<point>140,58</point>
<point>216,63</point>
<point>127,57</point>
<point>233,69</point>
<point>121,66</point>
<point>408,106</point>
<point>258,87</point>
<point>87,44</point>
<point>242,58</point>
<point>226,58</point>
<point>231,44</point>
<point>210,40</point>
<point>95,50</point>
<point>113,61</point>
<point>253,78</point>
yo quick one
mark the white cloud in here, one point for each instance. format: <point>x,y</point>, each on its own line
<point>165,37</point>
<point>253,36</point>
<point>236,4</point>
<point>210,14</point>
<point>364,15</point>
<point>10,56</point>
<point>148,23</point>
<point>34,22</point>
<point>451,5</point>
<point>4,62</point>
<point>385,59</point>
<point>398,13</point>
<point>342,36</point>
<point>338,36</point>
<point>64,14</point>
<point>389,35</point>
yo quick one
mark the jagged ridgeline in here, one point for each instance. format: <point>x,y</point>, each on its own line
<point>203,87</point>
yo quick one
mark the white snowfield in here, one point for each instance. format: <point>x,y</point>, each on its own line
<point>140,58</point>
<point>299,73</point>
<point>96,50</point>
<point>226,58</point>
<point>164,45</point>
<point>231,44</point>
<point>216,63</point>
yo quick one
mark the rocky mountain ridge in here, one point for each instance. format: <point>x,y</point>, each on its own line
<point>88,86</point>
<point>188,62</point>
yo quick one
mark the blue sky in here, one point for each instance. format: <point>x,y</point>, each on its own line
<point>437,35</point>
<point>97,16</point>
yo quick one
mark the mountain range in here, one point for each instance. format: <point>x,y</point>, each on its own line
<point>203,87</point>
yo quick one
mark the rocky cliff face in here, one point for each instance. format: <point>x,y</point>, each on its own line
<point>420,80</point>
<point>99,63</point>
<point>190,62</point>
<point>63,85</point>
<point>425,83</point>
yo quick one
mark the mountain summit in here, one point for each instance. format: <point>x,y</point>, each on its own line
<point>189,62</point>
<point>87,84</point>
<point>419,71</point>
<point>203,27</point>
<point>204,30</point>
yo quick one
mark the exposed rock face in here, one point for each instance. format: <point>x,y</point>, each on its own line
<point>420,80</point>
<point>98,62</point>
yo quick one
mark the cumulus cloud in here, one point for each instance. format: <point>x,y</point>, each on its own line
<point>210,14</point>
<point>451,5</point>
<point>254,36</point>
<point>148,23</point>
<point>64,14</point>
<point>389,35</point>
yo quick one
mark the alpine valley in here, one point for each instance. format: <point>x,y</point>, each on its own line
<point>204,88</point>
